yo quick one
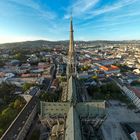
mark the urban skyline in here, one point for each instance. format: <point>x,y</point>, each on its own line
<point>94,20</point>
<point>86,91</point>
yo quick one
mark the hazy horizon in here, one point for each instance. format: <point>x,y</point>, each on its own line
<point>66,40</point>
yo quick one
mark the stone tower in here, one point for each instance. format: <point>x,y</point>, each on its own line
<point>71,63</point>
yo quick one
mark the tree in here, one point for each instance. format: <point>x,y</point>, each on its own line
<point>27,86</point>
<point>63,79</point>
<point>2,63</point>
<point>8,112</point>
<point>6,91</point>
<point>1,132</point>
<point>20,56</point>
<point>18,104</point>
<point>50,97</point>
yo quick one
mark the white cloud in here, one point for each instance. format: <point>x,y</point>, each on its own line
<point>86,8</point>
<point>130,14</point>
<point>109,19</point>
<point>80,7</point>
<point>45,13</point>
<point>28,3</point>
<point>111,8</point>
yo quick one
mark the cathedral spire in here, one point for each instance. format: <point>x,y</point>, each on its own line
<point>71,66</point>
<point>71,44</point>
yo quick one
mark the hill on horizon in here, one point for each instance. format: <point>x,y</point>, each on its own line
<point>41,43</point>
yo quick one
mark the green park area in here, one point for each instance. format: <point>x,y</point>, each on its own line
<point>50,96</point>
<point>10,106</point>
<point>109,91</point>
<point>135,83</point>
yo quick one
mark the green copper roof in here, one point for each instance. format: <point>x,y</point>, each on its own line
<point>72,90</point>
<point>73,131</point>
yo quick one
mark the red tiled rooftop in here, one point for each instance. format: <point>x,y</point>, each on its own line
<point>109,67</point>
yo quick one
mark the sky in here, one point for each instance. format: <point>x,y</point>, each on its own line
<point>22,20</point>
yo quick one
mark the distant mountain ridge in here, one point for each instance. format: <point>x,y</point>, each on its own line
<point>39,43</point>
